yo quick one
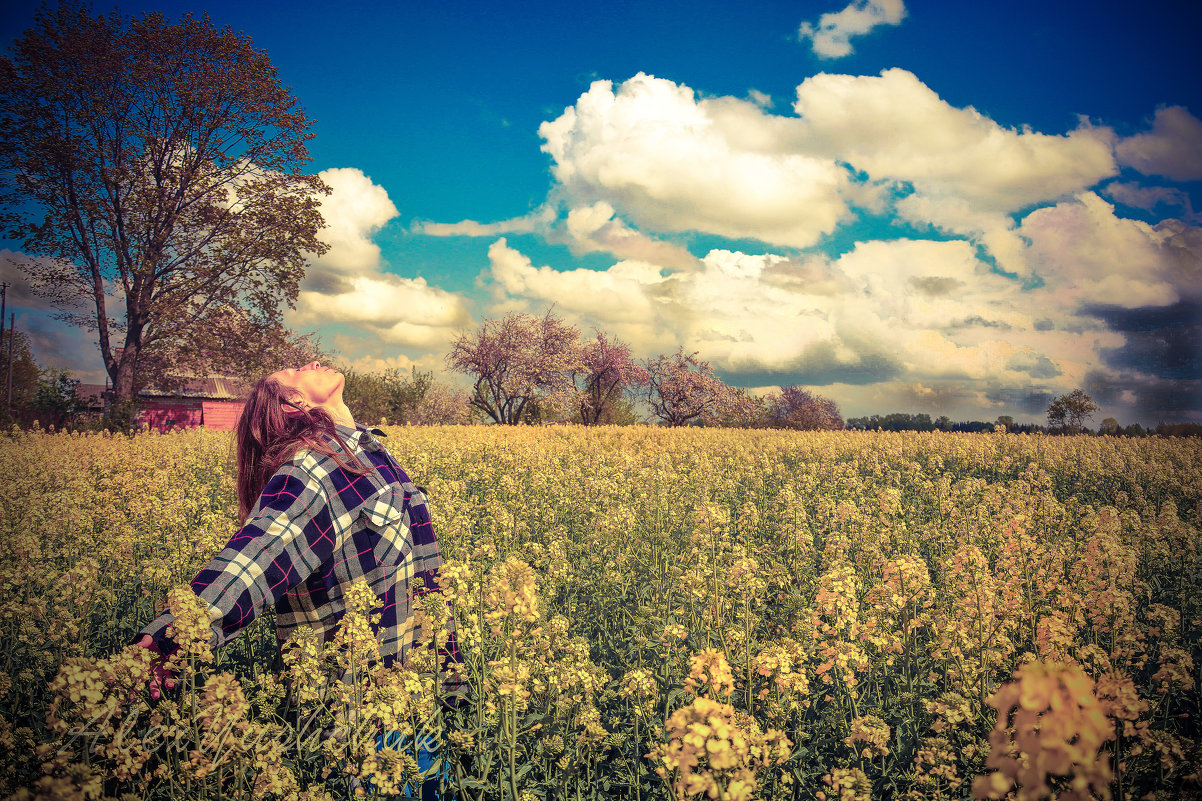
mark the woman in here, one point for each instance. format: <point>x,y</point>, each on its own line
<point>324,505</point>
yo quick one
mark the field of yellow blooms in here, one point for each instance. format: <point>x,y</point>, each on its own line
<point>644,614</point>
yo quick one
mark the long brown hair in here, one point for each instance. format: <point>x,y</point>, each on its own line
<point>271,429</point>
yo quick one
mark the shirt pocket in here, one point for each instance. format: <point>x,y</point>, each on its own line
<point>386,518</point>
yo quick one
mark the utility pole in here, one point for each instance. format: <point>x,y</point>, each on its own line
<point>3,307</point>
<point>11,331</point>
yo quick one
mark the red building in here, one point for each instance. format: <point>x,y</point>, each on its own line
<point>210,402</point>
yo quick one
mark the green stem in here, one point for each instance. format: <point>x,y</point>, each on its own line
<point>511,725</point>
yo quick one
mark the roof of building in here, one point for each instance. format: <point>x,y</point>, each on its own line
<point>219,388</point>
<point>92,393</point>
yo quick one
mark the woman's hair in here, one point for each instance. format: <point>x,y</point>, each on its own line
<point>271,429</point>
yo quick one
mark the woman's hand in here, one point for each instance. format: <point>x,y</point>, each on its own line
<point>160,676</point>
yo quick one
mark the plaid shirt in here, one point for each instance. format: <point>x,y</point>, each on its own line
<point>315,530</point>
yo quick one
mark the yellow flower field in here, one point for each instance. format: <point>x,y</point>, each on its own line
<point>644,614</point>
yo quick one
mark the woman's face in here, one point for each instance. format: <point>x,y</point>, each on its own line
<point>313,384</point>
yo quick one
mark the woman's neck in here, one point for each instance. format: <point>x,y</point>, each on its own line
<point>338,409</point>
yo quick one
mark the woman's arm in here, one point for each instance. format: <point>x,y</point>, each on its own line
<point>289,534</point>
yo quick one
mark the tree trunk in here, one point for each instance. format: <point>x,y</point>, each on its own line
<point>121,409</point>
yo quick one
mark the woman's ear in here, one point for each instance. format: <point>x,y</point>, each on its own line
<point>292,409</point>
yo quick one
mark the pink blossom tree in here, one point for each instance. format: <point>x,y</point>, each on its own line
<point>798,408</point>
<point>608,373</point>
<point>681,389</point>
<point>520,363</point>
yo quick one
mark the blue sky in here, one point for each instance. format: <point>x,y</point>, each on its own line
<point>951,208</point>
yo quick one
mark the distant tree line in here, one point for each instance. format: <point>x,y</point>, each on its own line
<point>1066,414</point>
<point>901,421</point>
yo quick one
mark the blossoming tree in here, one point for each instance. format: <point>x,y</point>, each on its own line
<point>798,408</point>
<point>681,389</point>
<point>520,363</point>
<point>608,372</point>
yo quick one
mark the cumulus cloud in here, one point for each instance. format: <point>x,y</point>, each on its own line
<point>918,309</point>
<point>1085,254</point>
<point>663,159</point>
<point>378,364</point>
<point>761,99</point>
<point>655,153</point>
<point>831,37</point>
<point>384,299</point>
<point>1183,252</point>
<point>400,311</point>
<point>925,322</point>
<point>1003,315</point>
<point>354,210</point>
<point>894,127</point>
<point>1173,148</point>
<point>623,293</point>
<point>595,228</point>
<point>638,162</point>
<point>993,230</point>
<point>349,285</point>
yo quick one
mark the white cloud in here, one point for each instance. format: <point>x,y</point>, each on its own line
<point>919,308</point>
<point>648,157</point>
<point>1087,255</point>
<point>348,285</point>
<point>1173,148</point>
<point>621,294</point>
<point>896,128</point>
<point>538,220</point>
<point>367,357</point>
<point>918,325</point>
<point>378,364</point>
<point>595,228</point>
<point>662,159</point>
<point>384,299</point>
<point>761,99</point>
<point>993,230</point>
<point>1009,306</point>
<point>655,153</point>
<point>354,210</point>
<point>831,37</point>
<point>406,312</point>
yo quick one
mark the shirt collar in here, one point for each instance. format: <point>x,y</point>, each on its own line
<point>360,435</point>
